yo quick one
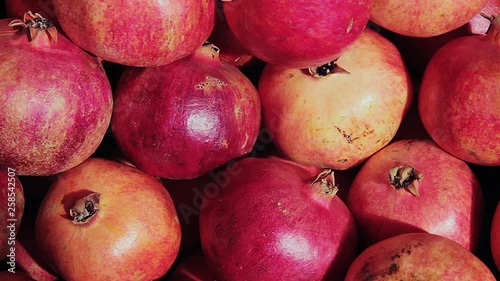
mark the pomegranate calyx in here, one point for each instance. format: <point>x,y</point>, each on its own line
<point>35,23</point>
<point>327,69</point>
<point>493,31</point>
<point>210,50</point>
<point>406,177</point>
<point>85,208</point>
<point>326,182</point>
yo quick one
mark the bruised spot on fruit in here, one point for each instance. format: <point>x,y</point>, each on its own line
<point>210,83</point>
<point>348,137</point>
<point>85,208</point>
<point>349,25</point>
<point>406,177</point>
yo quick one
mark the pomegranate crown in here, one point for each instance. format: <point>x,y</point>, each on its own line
<point>35,23</point>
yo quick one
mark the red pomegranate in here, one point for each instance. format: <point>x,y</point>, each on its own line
<point>495,236</point>
<point>110,221</point>
<point>424,18</point>
<point>296,33</point>
<point>418,256</point>
<point>182,120</point>
<point>277,220</point>
<point>11,214</point>
<point>459,98</point>
<point>137,33</point>
<point>415,186</point>
<point>56,99</point>
<point>345,112</point>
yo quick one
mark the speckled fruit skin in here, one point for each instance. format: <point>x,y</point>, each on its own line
<point>450,201</point>
<point>269,223</point>
<point>56,103</point>
<point>459,98</point>
<point>134,236</point>
<point>299,34</point>
<point>182,120</point>
<point>418,256</point>
<point>137,33</point>
<point>424,18</point>
<point>495,236</point>
<point>339,120</point>
<point>12,198</point>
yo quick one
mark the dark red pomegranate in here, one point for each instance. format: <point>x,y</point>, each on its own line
<point>415,186</point>
<point>182,120</point>
<point>56,99</point>
<point>299,34</point>
<point>418,256</point>
<point>138,33</point>
<point>277,220</point>
<point>459,98</point>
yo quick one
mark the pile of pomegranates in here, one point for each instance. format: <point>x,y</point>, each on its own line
<point>231,140</point>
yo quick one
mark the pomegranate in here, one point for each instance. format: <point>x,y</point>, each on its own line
<point>11,213</point>
<point>345,112</point>
<point>415,186</point>
<point>418,51</point>
<point>192,268</point>
<point>297,34</point>
<point>418,256</point>
<point>495,237</point>
<point>137,33</point>
<point>110,221</point>
<point>32,264</point>
<point>424,18</point>
<point>231,50</point>
<point>198,104</point>
<point>56,99</point>
<point>459,98</point>
<point>277,220</point>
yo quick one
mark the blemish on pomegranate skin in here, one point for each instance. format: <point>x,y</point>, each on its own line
<point>209,83</point>
<point>349,26</point>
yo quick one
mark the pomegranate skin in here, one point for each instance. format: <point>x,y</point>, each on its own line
<point>299,34</point>
<point>137,33</point>
<point>418,256</point>
<point>450,201</point>
<point>459,98</point>
<point>198,104</point>
<point>134,236</point>
<point>267,223</point>
<point>56,100</point>
<point>424,18</point>
<point>339,120</point>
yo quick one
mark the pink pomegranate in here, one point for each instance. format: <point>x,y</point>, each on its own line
<point>182,120</point>
<point>277,220</point>
<point>138,33</point>
<point>415,186</point>
<point>56,99</point>
<point>337,115</point>
<point>424,18</point>
<point>418,256</point>
<point>459,98</point>
<point>296,33</point>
